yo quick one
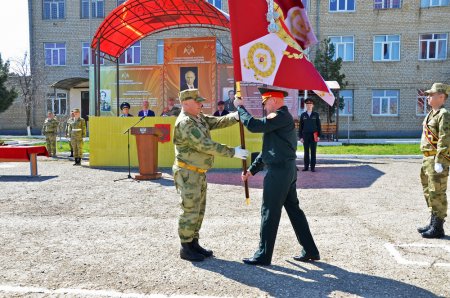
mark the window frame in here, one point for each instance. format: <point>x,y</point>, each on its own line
<point>381,98</point>
<point>160,51</point>
<point>52,99</point>
<point>57,3</point>
<point>429,3</point>
<point>350,99</point>
<point>428,41</point>
<point>119,2</point>
<point>213,2</point>
<point>93,10</point>
<point>386,4</point>
<point>421,96</point>
<point>336,48</point>
<point>86,46</point>
<point>134,47</point>
<point>389,44</point>
<point>338,10</point>
<point>53,50</point>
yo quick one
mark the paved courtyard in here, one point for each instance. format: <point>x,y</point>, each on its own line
<point>75,232</point>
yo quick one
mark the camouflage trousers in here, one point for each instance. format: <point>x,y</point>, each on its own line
<point>50,139</point>
<point>434,187</point>
<point>77,145</point>
<point>192,188</point>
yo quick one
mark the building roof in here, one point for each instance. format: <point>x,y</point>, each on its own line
<point>136,19</point>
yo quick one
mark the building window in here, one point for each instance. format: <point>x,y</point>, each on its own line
<point>97,8</point>
<point>306,4</point>
<point>342,5</point>
<point>132,55</point>
<point>160,51</point>
<point>53,9</point>
<point>422,103</point>
<point>57,103</point>
<point>120,2</point>
<point>385,102</point>
<point>343,47</point>
<point>431,3</point>
<point>347,110</point>
<point>55,54</point>
<point>433,46</point>
<point>86,49</point>
<point>386,48</point>
<point>216,3</point>
<point>385,4</point>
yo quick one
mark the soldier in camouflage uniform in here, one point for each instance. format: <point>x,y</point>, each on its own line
<point>435,145</point>
<point>76,132</point>
<point>71,118</point>
<point>50,130</point>
<point>194,155</point>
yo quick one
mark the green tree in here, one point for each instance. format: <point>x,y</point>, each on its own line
<point>330,70</point>
<point>7,96</point>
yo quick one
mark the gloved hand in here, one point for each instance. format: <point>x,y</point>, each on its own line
<point>238,101</point>
<point>241,153</point>
<point>235,115</point>
<point>438,167</point>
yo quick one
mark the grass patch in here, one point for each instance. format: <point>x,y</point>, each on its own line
<point>370,149</point>
<point>65,146</point>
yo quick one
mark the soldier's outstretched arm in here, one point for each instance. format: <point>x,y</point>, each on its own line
<point>266,124</point>
<point>220,122</point>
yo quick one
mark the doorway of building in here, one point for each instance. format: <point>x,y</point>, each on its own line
<point>85,105</point>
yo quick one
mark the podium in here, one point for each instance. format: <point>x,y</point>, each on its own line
<point>147,149</point>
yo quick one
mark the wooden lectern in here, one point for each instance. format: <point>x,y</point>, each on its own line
<point>147,149</point>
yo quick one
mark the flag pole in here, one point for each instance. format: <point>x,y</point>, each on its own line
<point>244,161</point>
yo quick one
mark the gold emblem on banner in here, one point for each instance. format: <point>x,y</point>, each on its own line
<point>261,59</point>
<point>189,49</point>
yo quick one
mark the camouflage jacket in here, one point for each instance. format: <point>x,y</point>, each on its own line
<point>50,126</point>
<point>192,139</point>
<point>76,128</point>
<point>436,135</point>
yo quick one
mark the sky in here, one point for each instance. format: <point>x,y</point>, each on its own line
<point>14,36</point>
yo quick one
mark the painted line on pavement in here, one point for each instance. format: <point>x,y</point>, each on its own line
<point>391,248</point>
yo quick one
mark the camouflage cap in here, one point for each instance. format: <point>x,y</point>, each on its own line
<point>439,87</point>
<point>190,94</point>
<point>75,110</point>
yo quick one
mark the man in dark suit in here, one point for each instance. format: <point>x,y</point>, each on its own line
<point>189,77</point>
<point>145,111</point>
<point>309,134</point>
<point>221,111</point>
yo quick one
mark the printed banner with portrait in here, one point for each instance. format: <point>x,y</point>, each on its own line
<point>191,63</point>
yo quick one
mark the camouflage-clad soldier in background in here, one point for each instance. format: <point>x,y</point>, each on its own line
<point>194,155</point>
<point>435,145</point>
<point>71,118</point>
<point>50,130</point>
<point>76,132</point>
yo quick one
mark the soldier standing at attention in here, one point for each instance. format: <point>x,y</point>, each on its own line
<point>279,188</point>
<point>309,125</point>
<point>194,155</point>
<point>77,131</point>
<point>50,130</point>
<point>435,145</point>
<point>71,118</point>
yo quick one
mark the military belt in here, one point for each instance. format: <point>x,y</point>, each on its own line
<point>429,153</point>
<point>189,167</point>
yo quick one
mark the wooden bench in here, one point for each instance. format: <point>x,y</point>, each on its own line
<point>23,154</point>
<point>329,130</point>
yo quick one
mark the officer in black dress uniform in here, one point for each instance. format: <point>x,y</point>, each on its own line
<point>278,156</point>
<point>309,124</point>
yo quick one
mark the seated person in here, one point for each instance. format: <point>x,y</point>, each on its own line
<point>145,111</point>
<point>221,109</point>
<point>171,109</point>
<point>125,108</point>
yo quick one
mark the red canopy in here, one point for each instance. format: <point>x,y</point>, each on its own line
<point>135,19</point>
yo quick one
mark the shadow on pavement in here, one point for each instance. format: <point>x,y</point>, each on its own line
<point>324,281</point>
<point>325,177</point>
<point>21,178</point>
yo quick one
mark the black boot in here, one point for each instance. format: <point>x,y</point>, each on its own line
<point>76,161</point>
<point>71,153</point>
<point>436,230</point>
<point>189,254</point>
<point>427,227</point>
<point>79,161</point>
<point>196,246</point>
